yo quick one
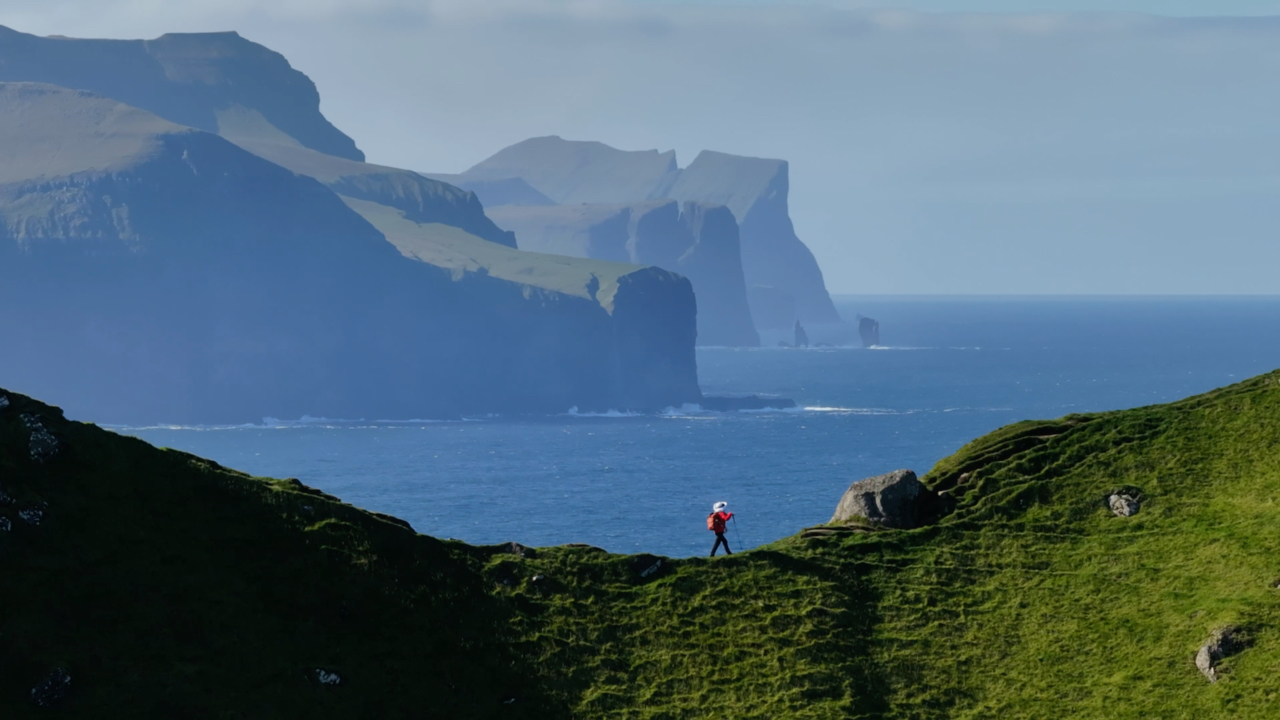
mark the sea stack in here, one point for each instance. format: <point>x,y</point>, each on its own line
<point>869,331</point>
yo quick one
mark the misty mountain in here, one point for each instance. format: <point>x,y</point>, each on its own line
<point>152,271</point>
<point>492,193</point>
<point>783,278</point>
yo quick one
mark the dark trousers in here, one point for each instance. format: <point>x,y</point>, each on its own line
<point>720,539</point>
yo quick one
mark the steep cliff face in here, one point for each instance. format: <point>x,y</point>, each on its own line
<point>203,80</point>
<point>714,264</point>
<point>150,272</point>
<point>700,243</point>
<point>755,190</point>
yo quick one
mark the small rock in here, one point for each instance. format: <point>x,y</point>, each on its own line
<point>508,701</point>
<point>1123,505</point>
<point>651,569</point>
<point>43,445</point>
<point>1222,643</point>
<point>54,688</point>
<point>5,525</point>
<point>538,579</point>
<point>896,500</point>
<point>324,677</point>
<point>519,550</point>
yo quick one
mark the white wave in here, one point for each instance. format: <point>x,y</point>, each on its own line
<point>852,411</point>
<point>573,412</point>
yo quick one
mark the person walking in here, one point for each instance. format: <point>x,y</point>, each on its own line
<point>716,524</point>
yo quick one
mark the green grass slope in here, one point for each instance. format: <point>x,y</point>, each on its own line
<point>168,586</point>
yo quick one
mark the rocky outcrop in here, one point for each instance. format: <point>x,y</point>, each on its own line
<point>41,444</point>
<point>896,500</point>
<point>53,689</point>
<point>755,190</point>
<point>217,82</point>
<point>1123,505</point>
<point>802,337</point>
<point>1221,644</point>
<point>698,241</point>
<point>154,272</point>
<point>869,331</point>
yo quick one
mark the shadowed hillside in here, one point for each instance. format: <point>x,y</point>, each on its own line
<point>157,584</point>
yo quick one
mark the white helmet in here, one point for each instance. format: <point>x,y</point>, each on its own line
<point>719,507</point>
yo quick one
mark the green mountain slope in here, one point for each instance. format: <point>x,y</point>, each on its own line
<point>165,585</point>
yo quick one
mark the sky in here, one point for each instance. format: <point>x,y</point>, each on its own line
<point>980,147</point>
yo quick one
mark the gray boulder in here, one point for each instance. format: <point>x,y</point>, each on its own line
<point>1123,505</point>
<point>1222,643</point>
<point>896,500</point>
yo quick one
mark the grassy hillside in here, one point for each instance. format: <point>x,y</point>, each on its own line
<point>168,586</point>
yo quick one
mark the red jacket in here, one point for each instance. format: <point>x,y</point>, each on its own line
<point>716,521</point>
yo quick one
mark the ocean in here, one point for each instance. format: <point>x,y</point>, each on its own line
<point>950,369</point>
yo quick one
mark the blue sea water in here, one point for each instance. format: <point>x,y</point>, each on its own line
<point>950,370</point>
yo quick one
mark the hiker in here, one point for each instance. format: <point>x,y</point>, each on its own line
<point>715,523</point>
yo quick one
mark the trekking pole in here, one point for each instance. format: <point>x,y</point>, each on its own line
<point>737,533</point>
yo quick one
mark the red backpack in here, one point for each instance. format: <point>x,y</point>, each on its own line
<point>715,523</point>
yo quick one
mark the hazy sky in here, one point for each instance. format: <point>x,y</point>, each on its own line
<point>1053,149</point>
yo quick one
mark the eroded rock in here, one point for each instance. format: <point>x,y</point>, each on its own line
<point>1222,643</point>
<point>519,550</point>
<point>52,689</point>
<point>32,515</point>
<point>1123,505</point>
<point>897,500</point>
<point>43,445</point>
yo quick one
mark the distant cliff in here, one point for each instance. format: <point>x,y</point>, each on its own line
<point>784,282</point>
<point>572,173</point>
<point>699,241</point>
<point>153,272</point>
<point>224,84</point>
<point>756,190</point>
<point>208,81</point>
